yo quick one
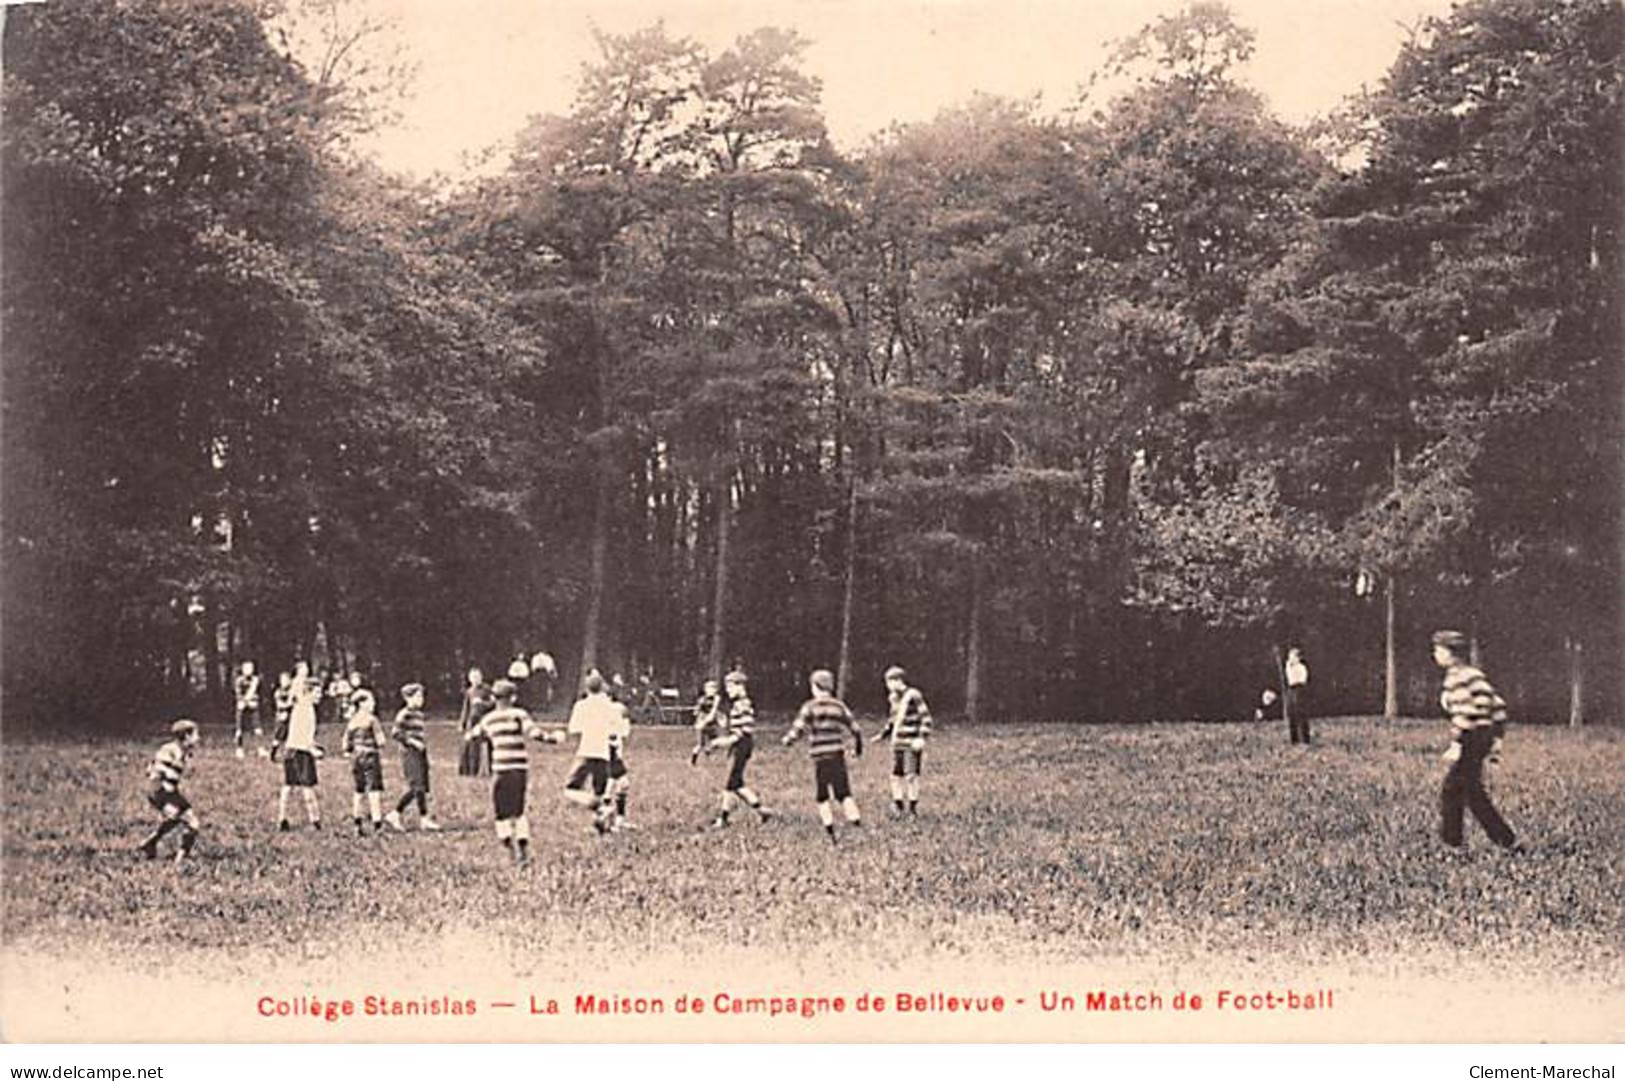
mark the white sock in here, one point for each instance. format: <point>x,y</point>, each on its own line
<point>312,808</point>
<point>896,787</point>
<point>375,804</point>
<point>826,813</point>
<point>849,807</point>
<point>282,804</point>
<point>521,829</point>
<point>504,829</point>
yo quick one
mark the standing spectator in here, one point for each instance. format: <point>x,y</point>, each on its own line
<point>545,671</point>
<point>477,702</point>
<point>1478,724</point>
<point>1297,696</point>
<point>518,673</point>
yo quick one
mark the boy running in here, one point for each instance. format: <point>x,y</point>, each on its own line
<point>364,747</point>
<point>824,718</point>
<point>506,728</point>
<point>410,733</point>
<point>597,720</point>
<point>908,726</point>
<point>1478,722</point>
<point>739,740</point>
<point>168,766</point>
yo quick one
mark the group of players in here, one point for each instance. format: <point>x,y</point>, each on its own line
<point>724,722</point>
<point>498,732</point>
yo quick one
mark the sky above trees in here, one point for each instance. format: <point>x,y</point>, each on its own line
<point>484,66</point>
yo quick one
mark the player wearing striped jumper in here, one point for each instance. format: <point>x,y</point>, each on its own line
<point>364,747</point>
<point>826,721</point>
<point>167,769</point>
<point>507,729</point>
<point>410,732</point>
<point>739,740</point>
<point>908,727</point>
<point>1477,721</point>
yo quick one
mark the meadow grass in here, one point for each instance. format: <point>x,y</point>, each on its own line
<point>1167,843</point>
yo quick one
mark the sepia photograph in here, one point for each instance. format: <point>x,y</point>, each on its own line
<point>812,521</point>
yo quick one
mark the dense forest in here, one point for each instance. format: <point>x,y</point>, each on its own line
<point>1079,417</point>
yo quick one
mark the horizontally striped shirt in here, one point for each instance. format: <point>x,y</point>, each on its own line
<point>248,691</point>
<point>825,722</point>
<point>742,716</point>
<point>169,764</point>
<point>910,717</point>
<point>409,728</point>
<point>284,700</point>
<point>507,729</point>
<point>363,736</point>
<point>1470,701</point>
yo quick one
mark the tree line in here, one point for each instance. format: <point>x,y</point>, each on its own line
<point>1075,417</point>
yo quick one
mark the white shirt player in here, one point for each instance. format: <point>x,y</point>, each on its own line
<point>302,718</point>
<point>598,719</point>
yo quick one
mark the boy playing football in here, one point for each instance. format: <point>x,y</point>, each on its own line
<point>739,739</point>
<point>598,720</point>
<point>908,726</point>
<point>506,728</point>
<point>410,734</point>
<point>824,718</point>
<point>364,747</point>
<point>247,688</point>
<point>168,766</point>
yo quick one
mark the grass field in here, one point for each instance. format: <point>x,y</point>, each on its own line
<point>1169,846</point>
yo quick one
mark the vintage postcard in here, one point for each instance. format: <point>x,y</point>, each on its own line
<point>928,521</point>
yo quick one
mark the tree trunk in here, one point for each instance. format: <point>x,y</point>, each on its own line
<point>1576,651</point>
<point>973,645</point>
<point>843,669</point>
<point>1390,667</point>
<point>719,597</point>
<point>590,633</point>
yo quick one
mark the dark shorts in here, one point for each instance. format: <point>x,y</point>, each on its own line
<point>508,793</point>
<point>165,799</point>
<point>415,765</point>
<point>905,762</point>
<point>593,770</point>
<point>298,769</point>
<point>248,717</point>
<point>368,771</point>
<point>617,765</point>
<point>829,778</point>
<point>738,757</point>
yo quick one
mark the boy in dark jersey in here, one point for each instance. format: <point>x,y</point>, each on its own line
<point>246,688</point>
<point>168,766</point>
<point>282,698</point>
<point>707,720</point>
<point>739,740</point>
<point>825,720</point>
<point>411,734</point>
<point>477,702</point>
<point>364,747</point>
<point>908,726</point>
<point>507,728</point>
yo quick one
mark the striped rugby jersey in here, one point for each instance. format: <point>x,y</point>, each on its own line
<point>824,720</point>
<point>284,700</point>
<point>910,717</point>
<point>169,764</point>
<point>248,690</point>
<point>410,730</point>
<point>507,729</point>
<point>363,735</point>
<point>1471,701</point>
<point>742,716</point>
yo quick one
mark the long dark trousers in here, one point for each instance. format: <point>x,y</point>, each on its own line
<point>1464,788</point>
